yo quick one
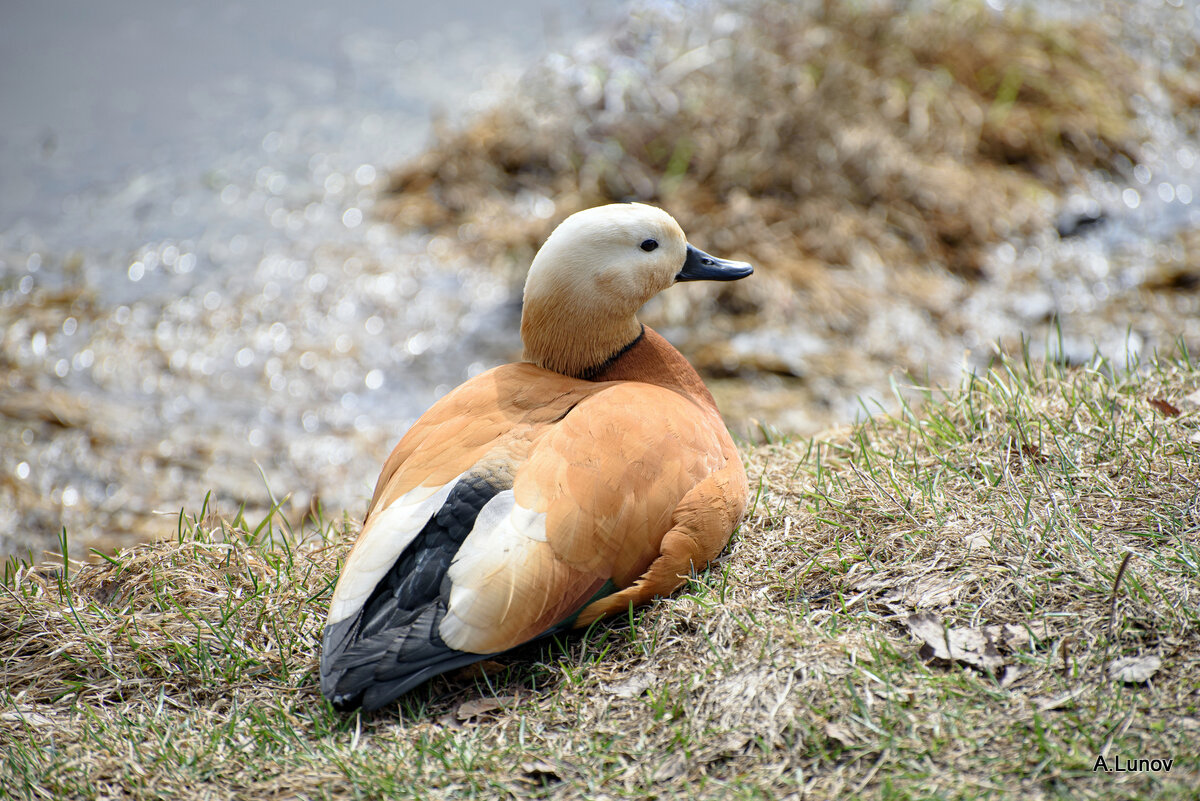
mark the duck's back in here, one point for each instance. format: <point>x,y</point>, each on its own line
<point>522,503</point>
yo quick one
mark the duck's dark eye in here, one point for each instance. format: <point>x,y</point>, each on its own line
<point>649,245</point>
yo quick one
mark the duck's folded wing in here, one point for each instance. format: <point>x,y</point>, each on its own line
<point>587,512</point>
<point>458,430</point>
<point>381,637</point>
<point>484,428</point>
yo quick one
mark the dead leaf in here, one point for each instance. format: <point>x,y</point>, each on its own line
<point>481,706</point>
<point>30,718</point>
<point>928,591</point>
<point>971,646</point>
<point>1167,409</point>
<point>1059,701</point>
<point>840,734</point>
<point>540,772</point>
<point>1134,669</point>
<point>671,767</point>
<point>927,626</point>
<point>935,591</point>
<point>1011,674</point>
<point>978,540</point>
<point>633,686</point>
<point>1017,637</point>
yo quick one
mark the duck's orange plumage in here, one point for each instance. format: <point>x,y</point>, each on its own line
<point>547,494</point>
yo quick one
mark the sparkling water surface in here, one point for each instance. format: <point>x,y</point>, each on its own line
<point>195,293</point>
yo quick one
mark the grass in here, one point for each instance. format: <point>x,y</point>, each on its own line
<point>1052,513</point>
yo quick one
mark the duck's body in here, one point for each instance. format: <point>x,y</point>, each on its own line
<point>530,500</point>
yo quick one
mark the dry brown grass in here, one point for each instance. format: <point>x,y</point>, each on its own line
<point>799,135</point>
<point>1003,511</point>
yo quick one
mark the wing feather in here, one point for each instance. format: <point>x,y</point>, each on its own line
<point>591,505</point>
<point>382,541</point>
<point>502,407</point>
<point>507,587</point>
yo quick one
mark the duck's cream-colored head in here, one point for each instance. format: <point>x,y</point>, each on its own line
<point>595,271</point>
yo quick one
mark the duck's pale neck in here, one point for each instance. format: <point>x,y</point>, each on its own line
<point>562,339</point>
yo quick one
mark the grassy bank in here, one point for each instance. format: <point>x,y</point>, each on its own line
<point>976,599</point>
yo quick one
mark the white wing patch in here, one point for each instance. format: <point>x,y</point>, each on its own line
<point>484,573</point>
<point>386,536</point>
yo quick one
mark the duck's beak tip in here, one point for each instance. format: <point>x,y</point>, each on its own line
<point>700,266</point>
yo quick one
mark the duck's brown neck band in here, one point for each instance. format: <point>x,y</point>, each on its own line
<point>653,360</point>
<point>591,373</point>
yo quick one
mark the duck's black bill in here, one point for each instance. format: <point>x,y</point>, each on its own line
<point>699,266</point>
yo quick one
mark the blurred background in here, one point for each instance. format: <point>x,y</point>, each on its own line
<point>240,253</point>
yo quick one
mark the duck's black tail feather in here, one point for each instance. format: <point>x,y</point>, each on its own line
<point>374,671</point>
<point>392,644</point>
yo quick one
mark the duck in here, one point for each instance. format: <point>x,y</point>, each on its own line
<point>593,476</point>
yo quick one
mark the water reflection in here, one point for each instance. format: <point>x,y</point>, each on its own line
<point>229,303</point>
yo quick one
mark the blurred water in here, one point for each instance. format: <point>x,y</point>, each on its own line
<point>192,284</point>
<point>125,122</point>
<point>1084,286</point>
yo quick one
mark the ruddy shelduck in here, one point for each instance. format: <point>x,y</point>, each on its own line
<point>540,496</point>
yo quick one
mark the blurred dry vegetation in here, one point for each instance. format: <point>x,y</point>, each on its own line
<point>863,156</point>
<point>800,136</point>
